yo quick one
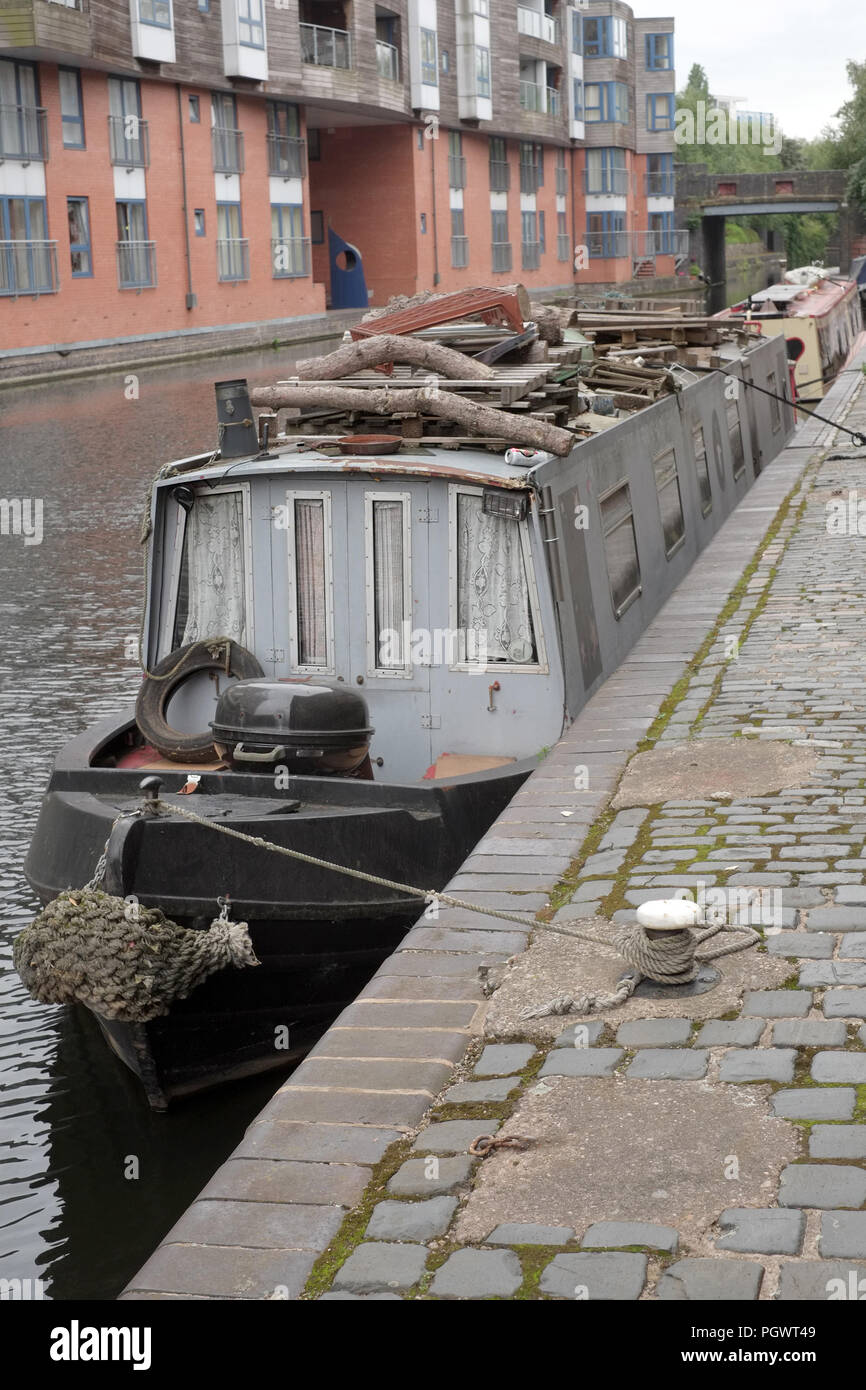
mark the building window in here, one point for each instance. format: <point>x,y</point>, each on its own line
<point>660,52</point>
<point>423,224</point>
<point>660,176</point>
<point>605,37</point>
<point>289,254</point>
<point>251,23</point>
<point>606,171</point>
<point>227,140</point>
<point>670,500</point>
<point>71,108</point>
<point>445,60</point>
<point>22,127</point>
<point>456,160</point>
<point>204,6</point>
<point>156,12</point>
<point>459,240</point>
<point>500,172</point>
<point>606,235</point>
<point>429,59</point>
<point>195,109</point>
<point>317,228</point>
<point>285,143</point>
<point>702,471</point>
<point>28,262</point>
<point>576,32</point>
<point>562,239</point>
<point>128,134</point>
<point>531,167</point>
<point>541,234</point>
<point>660,111</point>
<point>501,246</point>
<point>577,97</point>
<point>136,265</point>
<point>482,72</point>
<point>314,148</point>
<point>661,228</point>
<point>232,257</point>
<point>198,221</point>
<point>78,215</point>
<point>530,250</point>
<point>607,101</point>
<point>620,548</point>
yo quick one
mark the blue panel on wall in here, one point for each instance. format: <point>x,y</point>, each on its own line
<point>348,286</point>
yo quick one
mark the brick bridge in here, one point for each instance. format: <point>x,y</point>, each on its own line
<point>714,197</point>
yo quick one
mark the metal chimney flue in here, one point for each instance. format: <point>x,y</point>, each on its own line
<point>237,429</point>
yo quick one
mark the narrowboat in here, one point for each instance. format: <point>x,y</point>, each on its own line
<point>361,657</point>
<point>818,314</point>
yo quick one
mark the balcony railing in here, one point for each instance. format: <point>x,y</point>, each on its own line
<point>660,185</point>
<point>530,255</point>
<point>326,48</point>
<point>28,267</point>
<point>552,96</point>
<point>561,181</point>
<point>456,171</point>
<point>128,142</point>
<point>136,265</point>
<point>606,180</point>
<point>387,61</point>
<point>500,255</point>
<point>530,178</point>
<point>227,146</point>
<point>290,257</point>
<point>538,25</point>
<point>500,176</point>
<point>534,97</point>
<point>23,133</point>
<point>459,252</point>
<point>563,247</point>
<point>233,259</point>
<point>287,155</point>
<point>640,246</point>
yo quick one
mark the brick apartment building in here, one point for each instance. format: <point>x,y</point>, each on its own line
<point>176,164</point>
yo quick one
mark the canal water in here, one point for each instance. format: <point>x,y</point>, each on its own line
<point>71,1117</point>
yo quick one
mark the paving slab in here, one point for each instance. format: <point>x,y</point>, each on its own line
<point>813,1103</point>
<point>668,1065</point>
<point>845,1003</point>
<point>411,1221</point>
<point>839,1068</point>
<point>843,1233</point>
<point>611,1278</point>
<point>809,1032</point>
<point>607,1235</point>
<point>837,1141</point>
<point>777,1003</point>
<point>529,1233</point>
<point>709,1281</point>
<point>817,1281</point>
<point>375,1267</point>
<point>758,1064</point>
<point>506,1059</point>
<point>735,1032</point>
<point>761,1231</point>
<point>582,1061</point>
<point>453,1136</point>
<point>478,1274</point>
<point>822,1185</point>
<point>429,1177</point>
<point>654,1032</point>
<point>716,768</point>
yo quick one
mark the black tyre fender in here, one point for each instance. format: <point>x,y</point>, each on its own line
<point>161,684</point>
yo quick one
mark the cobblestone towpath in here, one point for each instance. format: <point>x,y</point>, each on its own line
<point>697,1146</point>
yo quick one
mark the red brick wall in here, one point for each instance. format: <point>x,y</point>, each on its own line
<point>95,308</point>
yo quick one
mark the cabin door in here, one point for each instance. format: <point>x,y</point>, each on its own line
<point>350,586</point>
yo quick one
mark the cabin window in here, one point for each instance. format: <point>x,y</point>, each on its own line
<point>775,405</point>
<point>735,436</point>
<point>212,588</point>
<point>494,609</point>
<point>620,548</point>
<point>388,545</point>
<point>311,581</point>
<point>703,472</point>
<point>670,501</point>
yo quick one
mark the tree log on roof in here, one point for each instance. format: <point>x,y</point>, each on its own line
<point>386,347</point>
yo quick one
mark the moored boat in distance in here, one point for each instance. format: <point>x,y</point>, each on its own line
<point>358,657</point>
<point>818,314</point>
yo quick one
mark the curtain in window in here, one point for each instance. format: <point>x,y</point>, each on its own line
<point>388,571</point>
<point>215,562</point>
<point>310,579</point>
<point>492,593</point>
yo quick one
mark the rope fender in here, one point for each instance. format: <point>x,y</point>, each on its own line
<point>121,960</point>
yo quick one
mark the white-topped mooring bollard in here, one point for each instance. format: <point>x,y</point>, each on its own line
<point>669,914</point>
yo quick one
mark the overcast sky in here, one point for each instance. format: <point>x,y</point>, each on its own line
<point>783,56</point>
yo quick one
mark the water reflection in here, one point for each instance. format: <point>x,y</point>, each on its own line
<point>70,1116</point>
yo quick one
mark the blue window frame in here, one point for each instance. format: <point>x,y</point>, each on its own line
<point>542,233</point>
<point>251,23</point>
<point>660,52</point>
<point>660,176</point>
<point>661,224</point>
<point>198,221</point>
<point>78,216</point>
<point>26,264</point>
<point>204,6</point>
<point>606,101</point>
<point>155,12</point>
<point>576,32</point>
<point>660,111</point>
<point>606,171</point>
<point>605,36</point>
<point>577,97</point>
<point>605,235</point>
<point>71,108</point>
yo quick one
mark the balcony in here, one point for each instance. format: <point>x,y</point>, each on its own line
<point>136,265</point>
<point>387,61</point>
<point>459,252</point>
<point>660,185</point>
<point>534,97</point>
<point>530,255</point>
<point>28,267</point>
<point>227,146</point>
<point>53,25</point>
<point>500,176</point>
<point>456,171</point>
<point>287,156</point>
<point>290,258</point>
<point>500,255</point>
<point>563,247</point>
<point>642,247</point>
<point>326,48</point>
<point>606,181</point>
<point>537,25</point>
<point>561,181</point>
<point>128,142</point>
<point>233,259</point>
<point>23,133</point>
